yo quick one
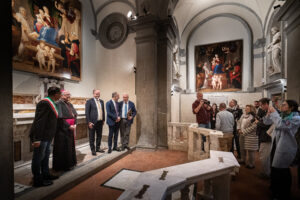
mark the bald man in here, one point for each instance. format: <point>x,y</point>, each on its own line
<point>127,114</point>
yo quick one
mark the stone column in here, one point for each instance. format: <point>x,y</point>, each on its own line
<point>6,135</point>
<point>153,79</point>
<point>164,57</point>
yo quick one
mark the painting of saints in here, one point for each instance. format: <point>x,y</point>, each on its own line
<point>219,66</point>
<point>47,37</point>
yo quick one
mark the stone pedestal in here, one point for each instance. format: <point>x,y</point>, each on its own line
<point>153,79</point>
<point>196,150</point>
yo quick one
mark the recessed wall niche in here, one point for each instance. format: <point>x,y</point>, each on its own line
<point>113,30</point>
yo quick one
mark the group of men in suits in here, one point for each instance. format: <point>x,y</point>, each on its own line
<point>119,116</point>
<point>51,120</point>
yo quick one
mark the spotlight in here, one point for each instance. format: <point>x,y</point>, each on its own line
<point>129,14</point>
<point>134,69</point>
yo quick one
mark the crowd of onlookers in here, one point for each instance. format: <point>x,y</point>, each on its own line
<point>267,127</point>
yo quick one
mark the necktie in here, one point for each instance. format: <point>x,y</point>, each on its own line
<point>125,110</point>
<point>99,110</point>
<point>116,107</point>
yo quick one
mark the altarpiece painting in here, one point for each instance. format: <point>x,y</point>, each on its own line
<point>46,37</point>
<point>219,66</point>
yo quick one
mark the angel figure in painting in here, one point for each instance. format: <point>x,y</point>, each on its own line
<point>40,55</point>
<point>51,61</point>
<point>219,83</point>
<point>214,81</point>
<point>275,48</point>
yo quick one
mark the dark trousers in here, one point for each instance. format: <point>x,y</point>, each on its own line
<point>98,129</point>
<point>40,161</point>
<point>125,132</point>
<point>235,140</point>
<point>113,135</point>
<point>281,182</point>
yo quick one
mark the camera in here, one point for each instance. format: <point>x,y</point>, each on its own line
<point>207,102</point>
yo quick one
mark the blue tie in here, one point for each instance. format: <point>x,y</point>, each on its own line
<point>125,110</point>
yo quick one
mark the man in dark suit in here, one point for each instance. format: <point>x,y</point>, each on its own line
<point>113,121</point>
<point>95,117</point>
<point>41,134</point>
<point>127,114</point>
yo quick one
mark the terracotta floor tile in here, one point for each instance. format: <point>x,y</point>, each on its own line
<point>246,186</point>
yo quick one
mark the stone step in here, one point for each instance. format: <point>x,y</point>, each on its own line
<point>87,166</point>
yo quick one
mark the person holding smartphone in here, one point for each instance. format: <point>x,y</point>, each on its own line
<point>284,146</point>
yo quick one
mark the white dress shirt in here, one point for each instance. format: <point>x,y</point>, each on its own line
<point>123,109</point>
<point>99,109</point>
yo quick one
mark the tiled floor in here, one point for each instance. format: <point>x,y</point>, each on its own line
<point>247,185</point>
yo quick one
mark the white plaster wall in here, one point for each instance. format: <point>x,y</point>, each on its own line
<point>239,7</point>
<point>188,99</point>
<point>219,29</point>
<point>115,71</point>
<point>27,83</point>
<point>115,66</point>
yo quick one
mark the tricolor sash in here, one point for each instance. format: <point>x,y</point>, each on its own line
<point>52,105</point>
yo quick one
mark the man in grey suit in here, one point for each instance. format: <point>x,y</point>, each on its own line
<point>127,114</point>
<point>95,117</point>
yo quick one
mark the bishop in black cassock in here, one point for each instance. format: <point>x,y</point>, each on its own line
<point>64,153</point>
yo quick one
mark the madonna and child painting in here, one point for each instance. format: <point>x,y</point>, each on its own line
<point>219,66</point>
<point>46,37</point>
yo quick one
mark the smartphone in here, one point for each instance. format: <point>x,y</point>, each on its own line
<point>270,103</point>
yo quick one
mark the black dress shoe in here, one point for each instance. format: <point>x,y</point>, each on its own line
<point>116,149</point>
<point>101,151</point>
<point>241,162</point>
<point>42,183</point>
<point>50,177</point>
<point>250,167</point>
<point>128,148</point>
<point>94,153</point>
<point>109,151</point>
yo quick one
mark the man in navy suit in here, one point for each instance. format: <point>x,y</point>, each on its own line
<point>95,117</point>
<point>127,114</point>
<point>113,121</point>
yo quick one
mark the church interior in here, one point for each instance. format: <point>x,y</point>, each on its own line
<point>162,54</point>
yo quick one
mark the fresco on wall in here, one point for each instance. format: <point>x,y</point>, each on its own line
<point>46,37</point>
<point>219,66</point>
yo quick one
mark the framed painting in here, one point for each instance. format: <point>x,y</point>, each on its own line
<point>219,66</point>
<point>46,37</point>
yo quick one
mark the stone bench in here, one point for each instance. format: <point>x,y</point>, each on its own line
<point>161,183</point>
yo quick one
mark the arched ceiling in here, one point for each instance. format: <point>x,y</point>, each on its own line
<point>252,11</point>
